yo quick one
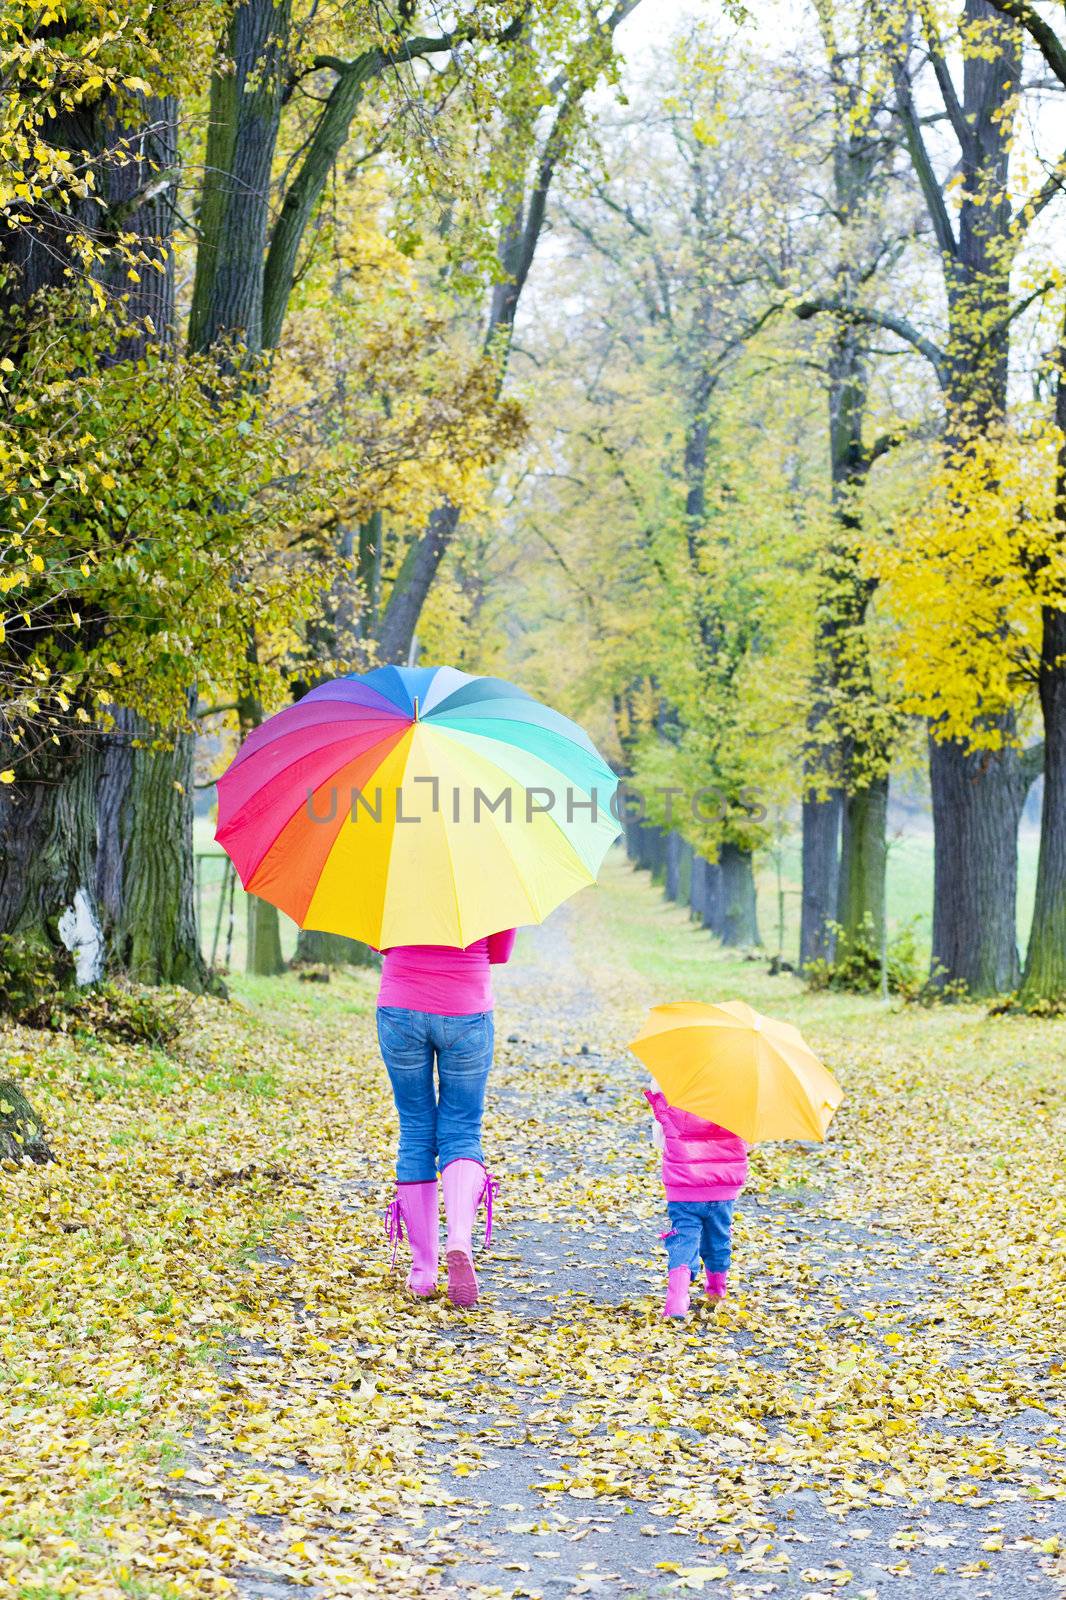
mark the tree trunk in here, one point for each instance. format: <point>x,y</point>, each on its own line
<point>146,887</point>
<point>145,870</point>
<point>330,950</point>
<point>714,898</point>
<point>48,857</point>
<point>655,852</point>
<point>740,926</point>
<point>128,883</point>
<point>413,583</point>
<point>977,798</point>
<point>685,857</point>
<point>263,956</point>
<point>672,867</point>
<point>242,134</point>
<point>863,860</point>
<point>697,898</point>
<point>977,804</point>
<point>821,865</point>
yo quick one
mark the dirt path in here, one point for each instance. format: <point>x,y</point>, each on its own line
<point>800,1440</point>
<point>573,1262</point>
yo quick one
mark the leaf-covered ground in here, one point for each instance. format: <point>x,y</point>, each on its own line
<point>214,1384</point>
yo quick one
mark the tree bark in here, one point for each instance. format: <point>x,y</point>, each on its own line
<point>330,950</point>
<point>740,925</point>
<point>845,751</point>
<point>413,583</point>
<point>48,854</point>
<point>863,859</point>
<point>713,898</point>
<point>242,133</point>
<point>263,954</point>
<point>976,798</point>
<point>685,858</point>
<point>697,898</point>
<point>145,870</point>
<point>977,804</point>
<point>72,831</point>
<point>672,867</point>
<point>820,871</point>
<point>146,890</point>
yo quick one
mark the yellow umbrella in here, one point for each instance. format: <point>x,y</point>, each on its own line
<point>749,1073</point>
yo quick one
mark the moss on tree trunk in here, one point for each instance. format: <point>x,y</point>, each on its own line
<point>863,858</point>
<point>146,885</point>
<point>264,955</point>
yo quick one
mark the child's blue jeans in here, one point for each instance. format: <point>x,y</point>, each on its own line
<point>699,1228</point>
<point>436,1127</point>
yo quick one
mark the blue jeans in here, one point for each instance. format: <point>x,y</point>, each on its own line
<point>436,1128</point>
<point>700,1228</point>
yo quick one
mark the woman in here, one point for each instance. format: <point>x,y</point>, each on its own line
<point>435,1005</point>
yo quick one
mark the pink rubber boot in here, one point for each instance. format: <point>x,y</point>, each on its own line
<point>677,1288</point>
<point>465,1184</point>
<point>716,1285</point>
<point>416,1207</point>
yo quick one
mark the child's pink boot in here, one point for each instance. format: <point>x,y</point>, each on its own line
<point>716,1285</point>
<point>466,1184</point>
<point>415,1207</point>
<point>677,1288</point>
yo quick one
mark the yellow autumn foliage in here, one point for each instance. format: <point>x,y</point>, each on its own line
<point>965,576</point>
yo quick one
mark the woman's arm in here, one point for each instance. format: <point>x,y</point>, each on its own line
<point>500,946</point>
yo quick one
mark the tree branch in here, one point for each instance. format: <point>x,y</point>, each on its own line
<point>327,141</point>
<point>1042,33</point>
<point>1053,184</point>
<point>878,319</point>
<point>923,167</point>
<point>554,146</point>
<point>962,129</point>
<point>1029,299</point>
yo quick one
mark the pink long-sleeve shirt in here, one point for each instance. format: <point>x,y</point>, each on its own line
<point>442,979</point>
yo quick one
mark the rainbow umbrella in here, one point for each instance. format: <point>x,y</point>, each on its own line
<point>416,805</point>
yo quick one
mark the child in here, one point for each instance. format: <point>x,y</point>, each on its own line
<point>704,1169</point>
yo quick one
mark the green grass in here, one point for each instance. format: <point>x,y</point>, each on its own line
<point>639,931</point>
<point>908,890</point>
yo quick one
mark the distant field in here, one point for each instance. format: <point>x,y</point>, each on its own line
<point>910,894</point>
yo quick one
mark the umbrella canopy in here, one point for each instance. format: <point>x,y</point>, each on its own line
<point>747,1072</point>
<point>416,806</point>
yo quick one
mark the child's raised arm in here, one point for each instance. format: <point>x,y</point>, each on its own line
<point>655,1100</point>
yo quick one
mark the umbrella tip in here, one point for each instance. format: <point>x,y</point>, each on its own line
<point>416,708</point>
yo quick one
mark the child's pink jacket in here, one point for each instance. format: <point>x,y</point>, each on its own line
<point>701,1161</point>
